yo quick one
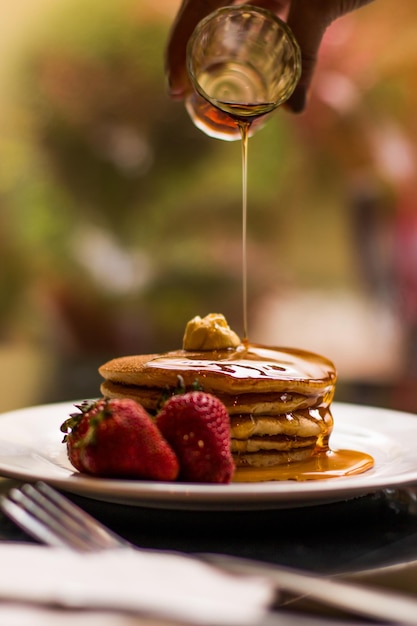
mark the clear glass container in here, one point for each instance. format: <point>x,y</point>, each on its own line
<point>243,62</point>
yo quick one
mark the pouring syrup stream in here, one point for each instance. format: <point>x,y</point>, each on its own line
<point>244,129</point>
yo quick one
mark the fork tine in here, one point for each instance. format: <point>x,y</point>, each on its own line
<point>63,533</point>
<point>76,517</point>
<point>53,519</point>
<point>24,520</point>
<point>64,524</point>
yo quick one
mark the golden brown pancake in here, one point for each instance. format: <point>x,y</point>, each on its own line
<point>278,399</point>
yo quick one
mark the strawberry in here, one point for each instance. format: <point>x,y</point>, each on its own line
<point>117,438</point>
<point>197,426</point>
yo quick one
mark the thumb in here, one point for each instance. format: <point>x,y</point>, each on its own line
<point>188,16</point>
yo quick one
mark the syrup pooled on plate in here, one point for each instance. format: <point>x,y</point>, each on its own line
<point>323,464</point>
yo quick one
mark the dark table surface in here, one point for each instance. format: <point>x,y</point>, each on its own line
<point>369,532</point>
<point>359,534</point>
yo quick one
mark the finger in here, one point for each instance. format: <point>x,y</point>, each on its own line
<point>309,19</point>
<point>190,13</point>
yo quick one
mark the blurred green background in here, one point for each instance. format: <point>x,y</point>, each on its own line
<point>119,221</point>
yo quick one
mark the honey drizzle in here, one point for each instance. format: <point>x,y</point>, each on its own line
<point>244,131</point>
<point>251,361</point>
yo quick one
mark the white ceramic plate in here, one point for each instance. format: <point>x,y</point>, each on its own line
<point>31,449</point>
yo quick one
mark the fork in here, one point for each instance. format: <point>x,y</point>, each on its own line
<point>46,515</point>
<point>54,520</point>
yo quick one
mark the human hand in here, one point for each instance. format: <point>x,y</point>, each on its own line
<point>308,19</point>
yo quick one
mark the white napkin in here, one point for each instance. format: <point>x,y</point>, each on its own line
<point>161,584</point>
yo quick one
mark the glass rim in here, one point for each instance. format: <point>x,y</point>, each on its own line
<point>249,8</point>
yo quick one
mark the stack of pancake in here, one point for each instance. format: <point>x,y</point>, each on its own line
<point>278,399</point>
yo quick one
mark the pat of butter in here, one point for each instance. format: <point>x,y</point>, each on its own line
<point>209,333</point>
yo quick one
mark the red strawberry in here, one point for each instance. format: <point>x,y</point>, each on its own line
<point>118,438</point>
<point>197,426</point>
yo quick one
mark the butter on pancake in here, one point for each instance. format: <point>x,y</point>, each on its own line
<point>209,333</point>
<point>278,399</point>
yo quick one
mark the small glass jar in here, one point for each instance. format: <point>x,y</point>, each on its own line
<point>243,63</point>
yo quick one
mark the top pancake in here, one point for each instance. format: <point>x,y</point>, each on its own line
<point>247,369</point>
